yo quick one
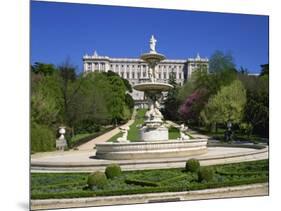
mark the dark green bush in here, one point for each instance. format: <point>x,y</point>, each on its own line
<point>192,165</point>
<point>42,138</point>
<point>97,179</point>
<point>112,170</point>
<point>205,174</point>
<point>88,138</point>
<point>141,182</point>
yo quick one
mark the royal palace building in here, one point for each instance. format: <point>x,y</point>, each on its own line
<point>136,70</point>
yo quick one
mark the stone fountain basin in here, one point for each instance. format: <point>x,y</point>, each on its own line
<point>151,57</point>
<point>153,87</point>
<point>151,150</point>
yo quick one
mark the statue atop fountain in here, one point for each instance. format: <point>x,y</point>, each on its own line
<point>152,44</point>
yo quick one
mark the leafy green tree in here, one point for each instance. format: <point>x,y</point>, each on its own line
<point>87,109</point>
<point>171,103</point>
<point>257,107</point>
<point>44,69</point>
<point>226,106</point>
<point>221,61</point>
<point>117,100</point>
<point>46,100</point>
<point>198,90</point>
<point>46,105</point>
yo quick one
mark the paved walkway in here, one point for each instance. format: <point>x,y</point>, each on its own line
<point>84,161</point>
<point>103,138</point>
<point>260,189</point>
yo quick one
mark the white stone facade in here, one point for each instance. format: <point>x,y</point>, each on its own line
<point>136,70</point>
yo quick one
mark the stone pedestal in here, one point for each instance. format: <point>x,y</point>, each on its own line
<point>61,143</point>
<point>151,134</point>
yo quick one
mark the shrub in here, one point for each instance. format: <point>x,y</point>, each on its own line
<point>205,174</point>
<point>97,179</point>
<point>112,170</point>
<point>141,183</point>
<point>42,138</point>
<point>192,165</point>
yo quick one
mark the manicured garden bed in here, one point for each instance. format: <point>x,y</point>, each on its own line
<point>74,185</point>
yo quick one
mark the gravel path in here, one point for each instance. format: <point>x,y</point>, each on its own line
<point>103,138</point>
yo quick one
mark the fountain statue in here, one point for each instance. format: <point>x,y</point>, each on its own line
<point>183,129</point>
<point>123,138</point>
<point>152,44</point>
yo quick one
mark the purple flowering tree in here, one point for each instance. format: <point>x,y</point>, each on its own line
<point>193,104</point>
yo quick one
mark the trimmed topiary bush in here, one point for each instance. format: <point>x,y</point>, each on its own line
<point>192,165</point>
<point>112,170</point>
<point>206,174</point>
<point>97,179</point>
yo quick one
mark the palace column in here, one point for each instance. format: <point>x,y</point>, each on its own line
<point>162,72</point>
<point>130,71</point>
<point>85,67</point>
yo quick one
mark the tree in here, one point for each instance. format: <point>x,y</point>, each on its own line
<point>257,106</point>
<point>264,70</point>
<point>220,61</point>
<point>46,100</point>
<point>171,103</point>
<point>194,103</point>
<point>226,106</point>
<point>125,81</point>
<point>43,69</point>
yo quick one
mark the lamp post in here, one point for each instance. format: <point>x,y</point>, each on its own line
<point>228,134</point>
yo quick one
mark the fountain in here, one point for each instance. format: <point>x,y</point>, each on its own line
<point>154,135</point>
<point>153,128</point>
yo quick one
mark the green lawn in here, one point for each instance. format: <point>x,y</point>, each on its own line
<point>114,138</point>
<point>72,185</point>
<point>133,133</point>
<point>174,133</point>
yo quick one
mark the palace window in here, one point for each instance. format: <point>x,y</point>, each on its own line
<point>89,66</point>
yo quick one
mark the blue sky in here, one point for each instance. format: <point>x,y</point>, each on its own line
<point>63,30</point>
